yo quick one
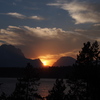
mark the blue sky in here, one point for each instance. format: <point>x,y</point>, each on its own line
<point>49,29</point>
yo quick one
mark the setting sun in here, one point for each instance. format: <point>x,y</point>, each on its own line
<point>44,63</point>
<point>47,60</point>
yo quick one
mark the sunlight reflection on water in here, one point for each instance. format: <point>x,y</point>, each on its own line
<point>45,86</point>
<point>8,86</point>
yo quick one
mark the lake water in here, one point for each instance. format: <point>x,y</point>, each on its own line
<point>8,85</point>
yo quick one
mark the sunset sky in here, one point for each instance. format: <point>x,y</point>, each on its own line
<point>49,29</point>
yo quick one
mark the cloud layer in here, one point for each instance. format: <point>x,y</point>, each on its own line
<point>18,35</point>
<point>21,16</point>
<point>81,12</point>
<point>38,41</point>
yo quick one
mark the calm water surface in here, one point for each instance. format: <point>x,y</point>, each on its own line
<point>8,85</point>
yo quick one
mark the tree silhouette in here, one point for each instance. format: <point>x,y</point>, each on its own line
<point>86,76</point>
<point>57,92</point>
<point>89,61</point>
<point>77,89</point>
<point>26,86</point>
<point>90,54</point>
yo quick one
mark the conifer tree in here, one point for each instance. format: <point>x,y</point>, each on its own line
<point>89,54</point>
<point>26,86</point>
<point>86,77</point>
<point>57,92</point>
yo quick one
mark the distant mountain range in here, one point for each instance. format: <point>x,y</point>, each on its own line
<point>65,61</point>
<point>13,57</point>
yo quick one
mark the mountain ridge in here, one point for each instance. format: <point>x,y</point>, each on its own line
<point>10,56</point>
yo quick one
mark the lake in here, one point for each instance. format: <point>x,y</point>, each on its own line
<point>8,85</point>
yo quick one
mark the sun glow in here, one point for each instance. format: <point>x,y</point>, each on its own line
<point>47,60</point>
<point>45,63</point>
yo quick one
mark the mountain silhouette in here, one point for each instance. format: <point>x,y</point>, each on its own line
<point>11,56</point>
<point>65,61</point>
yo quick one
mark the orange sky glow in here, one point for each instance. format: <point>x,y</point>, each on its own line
<point>48,60</point>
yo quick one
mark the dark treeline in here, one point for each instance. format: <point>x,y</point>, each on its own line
<point>82,79</point>
<point>51,72</point>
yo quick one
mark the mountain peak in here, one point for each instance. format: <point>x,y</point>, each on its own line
<point>10,50</point>
<point>65,61</point>
<point>10,56</point>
